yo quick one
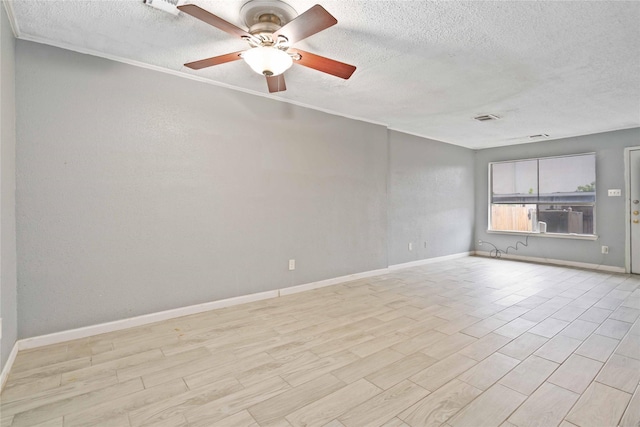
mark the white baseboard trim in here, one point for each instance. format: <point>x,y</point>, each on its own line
<point>564,263</point>
<point>429,260</point>
<point>145,319</point>
<point>8,365</point>
<point>330,282</point>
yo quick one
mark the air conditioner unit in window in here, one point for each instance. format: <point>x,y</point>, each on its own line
<point>562,221</point>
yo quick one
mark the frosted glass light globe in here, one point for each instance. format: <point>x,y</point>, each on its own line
<point>268,61</point>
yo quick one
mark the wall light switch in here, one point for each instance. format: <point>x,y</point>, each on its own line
<point>410,246</point>
<point>615,192</point>
<point>292,264</point>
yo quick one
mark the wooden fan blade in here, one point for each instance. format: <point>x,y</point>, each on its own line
<point>211,19</point>
<point>276,83</point>
<point>216,60</point>
<point>326,65</point>
<point>307,24</point>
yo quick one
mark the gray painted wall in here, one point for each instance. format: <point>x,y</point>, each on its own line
<point>431,198</point>
<point>8,298</point>
<point>610,211</point>
<point>139,191</point>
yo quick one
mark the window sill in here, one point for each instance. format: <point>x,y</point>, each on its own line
<point>552,235</point>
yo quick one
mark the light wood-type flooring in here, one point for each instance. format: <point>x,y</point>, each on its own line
<point>466,342</point>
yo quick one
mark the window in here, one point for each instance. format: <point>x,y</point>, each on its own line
<point>558,191</point>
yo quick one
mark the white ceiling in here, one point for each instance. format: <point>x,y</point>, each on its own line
<point>563,68</point>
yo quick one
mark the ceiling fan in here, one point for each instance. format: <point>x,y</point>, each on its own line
<point>273,28</point>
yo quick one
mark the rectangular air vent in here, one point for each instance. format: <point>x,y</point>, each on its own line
<point>486,117</point>
<point>169,6</point>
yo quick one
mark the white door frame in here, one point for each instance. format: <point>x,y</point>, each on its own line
<point>627,204</point>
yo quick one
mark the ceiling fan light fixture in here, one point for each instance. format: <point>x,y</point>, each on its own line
<point>267,60</point>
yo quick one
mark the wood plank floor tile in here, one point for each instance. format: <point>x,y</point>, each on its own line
<point>599,405</point>
<point>240,419</point>
<point>29,390</point>
<point>384,406</point>
<point>485,346</point>
<point>47,371</point>
<point>576,373</point>
<point>484,327</point>
<point>216,371</point>
<point>52,395</point>
<point>289,401</point>
<point>568,313</point>
<point>596,315</point>
<point>549,327</point>
<point>546,407</point>
<point>332,406</point>
<point>395,422</point>
<point>32,359</point>
<point>156,365</point>
<point>558,348</point>
<point>579,329</point>
<point>449,345</point>
<point>438,374</point>
<point>457,324</point>
<point>225,406</point>
<point>394,373</point>
<point>490,409</point>
<point>630,346</point>
<point>120,407</point>
<point>155,413</point>
<point>342,343</point>
<point>377,344</point>
<point>529,375</point>
<point>625,314</point>
<point>613,328</point>
<point>367,365</point>
<point>174,421</point>
<point>620,372</point>
<point>631,417</point>
<point>250,372</point>
<point>515,328</point>
<point>441,405</point>
<point>523,346</point>
<point>511,313</point>
<point>66,406</point>
<point>419,342</point>
<point>57,422</point>
<point>300,375</point>
<point>489,371</point>
<point>598,347</point>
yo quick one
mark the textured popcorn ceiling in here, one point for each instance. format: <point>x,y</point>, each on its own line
<point>563,68</point>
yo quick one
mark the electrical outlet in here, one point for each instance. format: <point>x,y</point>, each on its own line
<point>292,264</point>
<point>605,249</point>
<point>616,192</point>
<point>410,246</point>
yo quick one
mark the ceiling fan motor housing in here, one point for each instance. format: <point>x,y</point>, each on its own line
<point>256,11</point>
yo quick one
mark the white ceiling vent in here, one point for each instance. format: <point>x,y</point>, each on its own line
<point>486,117</point>
<point>169,6</point>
